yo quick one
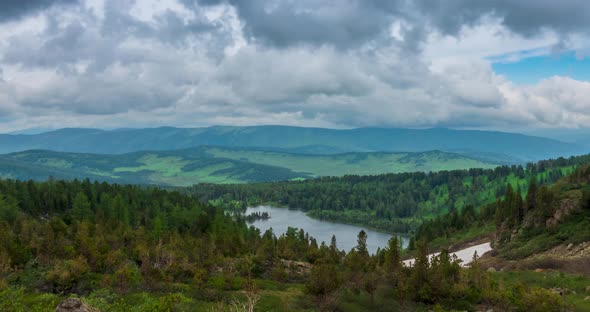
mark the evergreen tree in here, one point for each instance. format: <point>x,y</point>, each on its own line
<point>361,246</point>
<point>518,209</point>
<point>531,196</point>
<point>419,279</point>
<point>81,207</point>
<point>323,281</point>
<point>121,210</point>
<point>8,209</point>
<point>334,254</point>
<point>392,261</point>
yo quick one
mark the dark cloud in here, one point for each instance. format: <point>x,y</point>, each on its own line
<point>525,17</point>
<point>283,23</point>
<point>14,9</point>
<point>350,23</point>
<point>97,41</point>
<point>330,62</point>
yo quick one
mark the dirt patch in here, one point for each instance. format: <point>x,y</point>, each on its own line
<point>74,305</point>
<point>565,258</point>
<point>570,251</point>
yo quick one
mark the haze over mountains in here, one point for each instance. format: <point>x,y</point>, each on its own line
<point>488,145</point>
<point>186,156</point>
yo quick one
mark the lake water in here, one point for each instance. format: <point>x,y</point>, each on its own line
<point>322,231</point>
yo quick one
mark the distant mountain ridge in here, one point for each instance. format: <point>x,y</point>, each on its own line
<point>517,147</point>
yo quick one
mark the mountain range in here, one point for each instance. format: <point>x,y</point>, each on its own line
<point>487,145</point>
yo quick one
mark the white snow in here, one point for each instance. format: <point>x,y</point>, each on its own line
<point>465,255</point>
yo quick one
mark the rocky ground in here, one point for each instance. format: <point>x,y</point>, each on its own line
<point>570,258</point>
<point>569,251</point>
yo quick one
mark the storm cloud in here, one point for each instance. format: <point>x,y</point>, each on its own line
<point>334,63</point>
<point>14,9</point>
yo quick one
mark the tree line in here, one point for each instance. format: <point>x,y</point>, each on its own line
<point>391,202</point>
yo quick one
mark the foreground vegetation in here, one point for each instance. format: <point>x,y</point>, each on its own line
<point>126,248</point>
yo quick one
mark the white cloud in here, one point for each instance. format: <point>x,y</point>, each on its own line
<point>482,41</point>
<point>159,63</point>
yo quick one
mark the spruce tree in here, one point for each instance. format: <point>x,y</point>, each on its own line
<point>531,196</point>
<point>361,247</point>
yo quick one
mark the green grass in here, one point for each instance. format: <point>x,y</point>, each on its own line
<point>169,170</point>
<point>463,235</point>
<point>167,166</point>
<point>353,163</point>
<point>222,165</point>
<point>552,279</point>
<point>531,241</point>
<point>275,296</point>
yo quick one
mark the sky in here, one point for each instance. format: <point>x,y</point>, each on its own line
<point>495,64</point>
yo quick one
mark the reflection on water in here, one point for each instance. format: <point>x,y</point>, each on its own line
<point>346,235</point>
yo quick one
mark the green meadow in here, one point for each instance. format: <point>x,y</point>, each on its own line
<point>222,165</point>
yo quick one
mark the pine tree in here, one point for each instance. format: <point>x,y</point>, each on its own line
<point>508,206</point>
<point>333,253</point>
<point>518,209</point>
<point>498,216</point>
<point>392,262</point>
<point>323,280</point>
<point>81,207</point>
<point>121,210</point>
<point>361,246</point>
<point>8,209</point>
<point>412,243</point>
<point>531,197</point>
<point>419,277</point>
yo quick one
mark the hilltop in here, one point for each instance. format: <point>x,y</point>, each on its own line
<point>207,164</point>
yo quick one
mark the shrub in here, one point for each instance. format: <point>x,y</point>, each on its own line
<point>539,299</point>
<point>11,300</point>
<point>66,274</point>
<point>127,277</point>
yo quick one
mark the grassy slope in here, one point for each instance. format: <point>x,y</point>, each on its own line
<point>576,285</point>
<point>488,194</point>
<point>531,241</point>
<point>354,163</point>
<point>275,296</point>
<point>220,165</point>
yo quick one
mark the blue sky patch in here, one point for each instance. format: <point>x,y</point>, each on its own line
<point>530,70</point>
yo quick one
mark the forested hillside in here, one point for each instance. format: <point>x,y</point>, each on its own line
<point>547,217</point>
<point>493,146</point>
<point>524,221</point>
<point>392,202</point>
<point>126,248</point>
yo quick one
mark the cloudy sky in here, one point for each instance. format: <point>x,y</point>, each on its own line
<point>495,64</point>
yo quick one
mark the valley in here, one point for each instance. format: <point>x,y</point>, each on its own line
<point>396,203</point>
<point>294,156</point>
<point>378,230</point>
<point>208,164</point>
